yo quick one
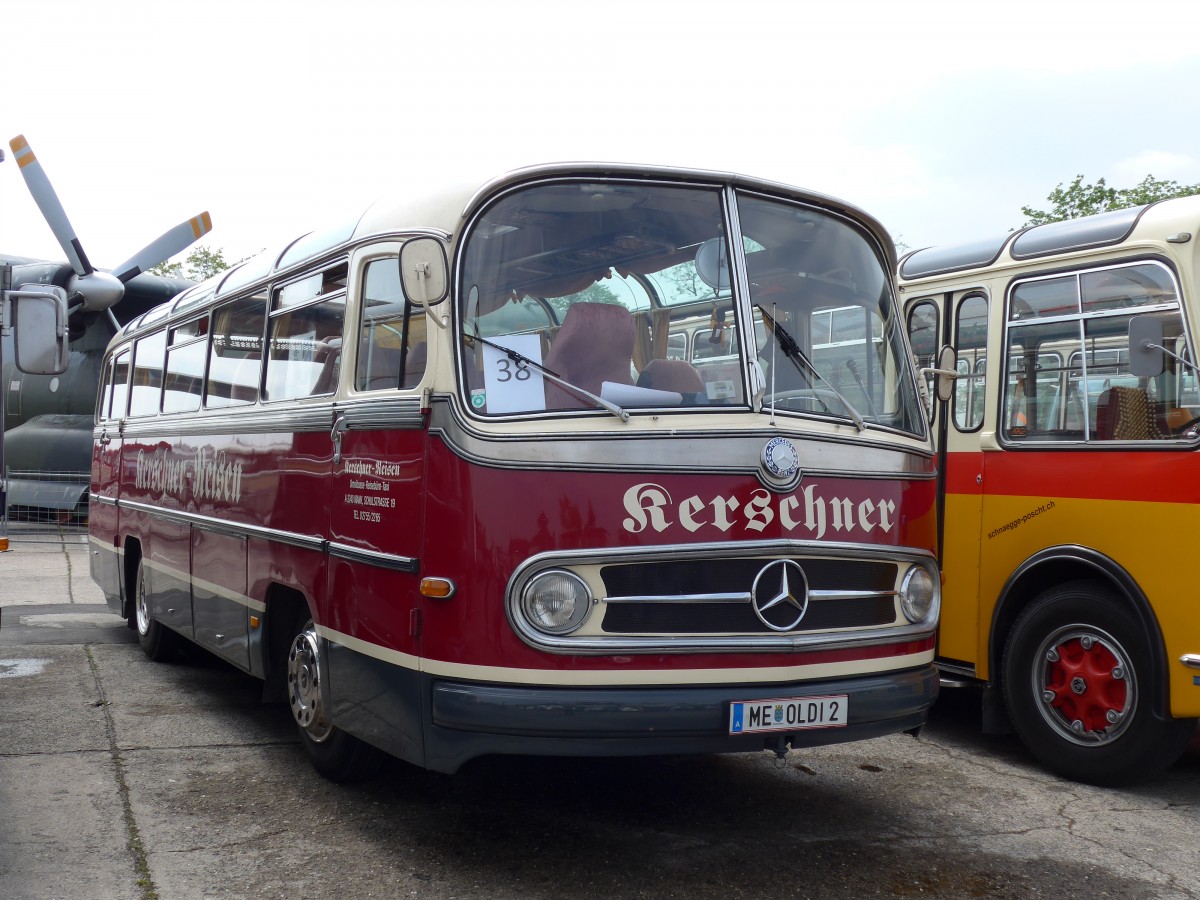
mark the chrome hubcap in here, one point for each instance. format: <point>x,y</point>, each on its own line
<point>304,685</point>
<point>139,606</point>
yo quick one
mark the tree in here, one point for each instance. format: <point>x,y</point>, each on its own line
<point>201,263</point>
<point>593,293</point>
<point>1079,199</point>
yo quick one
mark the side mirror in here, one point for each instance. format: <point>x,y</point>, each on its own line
<point>1146,346</point>
<point>946,372</point>
<point>38,319</point>
<point>424,271</point>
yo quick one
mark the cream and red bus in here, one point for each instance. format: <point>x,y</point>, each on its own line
<point>1070,467</point>
<point>435,477</point>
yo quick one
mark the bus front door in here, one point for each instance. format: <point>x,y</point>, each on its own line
<point>961,439</point>
<point>376,539</point>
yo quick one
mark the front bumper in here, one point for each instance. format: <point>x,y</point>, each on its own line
<point>468,719</point>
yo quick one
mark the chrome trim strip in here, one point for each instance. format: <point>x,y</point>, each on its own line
<point>674,598</point>
<point>956,669</point>
<point>772,643</point>
<point>374,558</point>
<point>250,419</point>
<point>851,595</point>
<point>102,499</point>
<point>768,549</point>
<point>379,414</point>
<point>391,561</point>
<point>360,415</point>
<point>238,529</point>
<point>819,595</point>
<point>1191,660</point>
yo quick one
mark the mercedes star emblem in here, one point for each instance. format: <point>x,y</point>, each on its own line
<point>780,458</point>
<point>780,595</point>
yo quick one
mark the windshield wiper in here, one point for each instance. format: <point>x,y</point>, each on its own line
<point>792,351</point>
<point>853,367</point>
<point>522,360</point>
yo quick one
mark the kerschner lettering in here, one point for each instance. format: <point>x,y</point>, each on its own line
<point>651,506</point>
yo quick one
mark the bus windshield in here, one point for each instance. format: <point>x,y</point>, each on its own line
<point>570,292</point>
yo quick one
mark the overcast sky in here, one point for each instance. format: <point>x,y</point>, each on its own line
<point>941,119</point>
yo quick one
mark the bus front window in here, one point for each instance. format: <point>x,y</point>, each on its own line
<point>827,287</point>
<point>577,291</point>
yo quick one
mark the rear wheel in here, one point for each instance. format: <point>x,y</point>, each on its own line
<point>334,753</point>
<point>1077,675</point>
<point>158,641</point>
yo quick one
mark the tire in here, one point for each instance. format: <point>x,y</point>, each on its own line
<point>158,641</point>
<point>335,754</point>
<point>1077,681</point>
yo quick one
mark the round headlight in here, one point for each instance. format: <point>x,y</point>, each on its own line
<point>555,602</point>
<point>918,594</point>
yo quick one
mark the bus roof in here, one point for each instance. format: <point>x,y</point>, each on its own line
<point>1180,215</point>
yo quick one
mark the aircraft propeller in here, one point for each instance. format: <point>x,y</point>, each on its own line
<point>95,289</point>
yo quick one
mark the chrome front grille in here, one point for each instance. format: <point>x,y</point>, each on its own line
<point>717,598</point>
<point>713,596</point>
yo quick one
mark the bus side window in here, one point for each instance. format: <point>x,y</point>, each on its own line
<point>923,337</point>
<point>1069,374</point>
<point>392,346</point>
<point>117,388</point>
<point>677,345</point>
<point>306,351</point>
<point>184,375</point>
<point>102,406</point>
<point>235,354</point>
<point>148,356</point>
<point>970,336</point>
<point>120,384</point>
<point>306,336</point>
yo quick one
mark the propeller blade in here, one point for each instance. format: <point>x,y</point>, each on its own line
<point>47,201</point>
<point>174,241</point>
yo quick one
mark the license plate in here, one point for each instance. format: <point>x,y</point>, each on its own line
<point>787,714</point>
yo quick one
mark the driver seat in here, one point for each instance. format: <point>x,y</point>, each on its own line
<point>1126,414</point>
<point>594,345</point>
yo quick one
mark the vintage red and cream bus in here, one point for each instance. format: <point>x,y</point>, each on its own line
<point>1069,506</point>
<point>435,477</point>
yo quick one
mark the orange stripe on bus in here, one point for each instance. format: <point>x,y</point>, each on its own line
<point>1155,476</point>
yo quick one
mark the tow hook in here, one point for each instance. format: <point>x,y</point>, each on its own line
<point>778,745</point>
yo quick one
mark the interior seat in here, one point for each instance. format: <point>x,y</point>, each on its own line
<point>1126,414</point>
<point>594,345</point>
<point>675,375</point>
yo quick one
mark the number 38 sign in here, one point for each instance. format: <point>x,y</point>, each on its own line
<point>513,386</point>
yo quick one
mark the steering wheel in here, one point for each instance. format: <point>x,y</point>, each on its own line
<point>1180,429</point>
<point>805,400</point>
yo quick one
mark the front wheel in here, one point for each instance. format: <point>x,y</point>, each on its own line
<point>334,753</point>
<point>1077,676</point>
